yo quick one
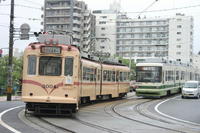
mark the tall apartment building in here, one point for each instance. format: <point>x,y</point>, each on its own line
<point>105,31</point>
<point>106,28</point>
<point>169,38</point>
<point>181,38</point>
<point>196,60</point>
<point>71,16</point>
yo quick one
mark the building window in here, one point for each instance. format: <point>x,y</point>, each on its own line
<point>178,46</point>
<point>103,16</point>
<point>178,53</point>
<point>178,33</point>
<point>102,22</point>
<point>103,28</point>
<point>178,39</point>
<point>102,47</point>
<point>179,26</point>
<point>102,34</point>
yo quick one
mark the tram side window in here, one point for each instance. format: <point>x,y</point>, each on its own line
<point>108,75</point>
<point>99,74</point>
<point>32,64</point>
<point>177,75</point>
<point>121,76</point>
<point>117,76</point>
<point>88,74</point>
<point>69,61</point>
<point>125,76</point>
<point>191,76</point>
<point>113,75</point>
<point>182,75</point>
<point>166,75</point>
<point>170,76</point>
<point>105,73</point>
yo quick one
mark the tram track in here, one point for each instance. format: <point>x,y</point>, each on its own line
<point>63,129</point>
<point>102,128</point>
<point>112,109</point>
<point>50,128</point>
<point>139,109</point>
<point>115,106</point>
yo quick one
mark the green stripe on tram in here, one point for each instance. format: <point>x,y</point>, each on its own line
<point>161,90</point>
<point>158,87</point>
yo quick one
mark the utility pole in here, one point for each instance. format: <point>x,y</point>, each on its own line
<point>10,59</point>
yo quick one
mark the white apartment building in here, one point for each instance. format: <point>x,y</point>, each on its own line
<point>71,16</point>
<point>105,31</point>
<point>196,60</point>
<point>169,38</point>
<point>181,38</point>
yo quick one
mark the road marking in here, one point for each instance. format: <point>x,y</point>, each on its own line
<point>6,125</point>
<point>171,117</point>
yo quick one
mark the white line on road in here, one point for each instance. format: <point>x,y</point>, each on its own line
<point>177,119</point>
<point>6,125</point>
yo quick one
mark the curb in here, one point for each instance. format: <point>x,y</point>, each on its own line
<point>14,98</point>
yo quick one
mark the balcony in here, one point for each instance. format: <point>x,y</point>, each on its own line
<point>57,15</point>
<point>77,22</point>
<point>77,15</point>
<point>152,25</point>
<point>76,36</point>
<point>57,22</point>
<point>57,8</point>
<point>76,29</point>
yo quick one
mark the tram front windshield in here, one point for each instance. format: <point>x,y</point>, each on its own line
<point>148,74</point>
<point>50,66</point>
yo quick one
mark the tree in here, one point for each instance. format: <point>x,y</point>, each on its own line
<point>133,66</point>
<point>16,74</point>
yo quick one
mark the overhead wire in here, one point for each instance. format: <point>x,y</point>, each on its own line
<point>169,9</point>
<point>1,25</point>
<point>32,2</point>
<point>32,7</point>
<point>147,7</point>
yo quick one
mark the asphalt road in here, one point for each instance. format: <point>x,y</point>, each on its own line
<point>11,118</point>
<point>184,109</point>
<point>4,105</point>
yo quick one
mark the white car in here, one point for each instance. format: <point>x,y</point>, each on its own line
<point>191,89</point>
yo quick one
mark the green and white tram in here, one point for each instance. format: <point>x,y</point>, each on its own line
<point>161,79</point>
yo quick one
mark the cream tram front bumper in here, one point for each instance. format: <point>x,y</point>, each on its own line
<point>46,99</point>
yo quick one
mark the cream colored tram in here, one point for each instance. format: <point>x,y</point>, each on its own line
<point>56,79</point>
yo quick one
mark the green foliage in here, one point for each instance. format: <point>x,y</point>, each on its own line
<point>16,74</point>
<point>127,63</point>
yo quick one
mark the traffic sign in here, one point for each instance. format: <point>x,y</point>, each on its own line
<point>24,29</point>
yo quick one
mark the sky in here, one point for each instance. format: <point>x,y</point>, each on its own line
<point>29,11</point>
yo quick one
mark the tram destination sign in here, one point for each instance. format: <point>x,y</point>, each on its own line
<point>50,50</point>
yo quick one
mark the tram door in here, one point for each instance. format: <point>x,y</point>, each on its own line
<point>117,81</point>
<point>98,82</point>
<point>95,80</point>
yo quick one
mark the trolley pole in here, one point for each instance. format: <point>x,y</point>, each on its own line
<point>10,58</point>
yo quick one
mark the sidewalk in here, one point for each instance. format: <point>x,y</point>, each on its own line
<point>14,98</point>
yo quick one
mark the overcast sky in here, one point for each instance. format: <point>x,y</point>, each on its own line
<point>29,11</point>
